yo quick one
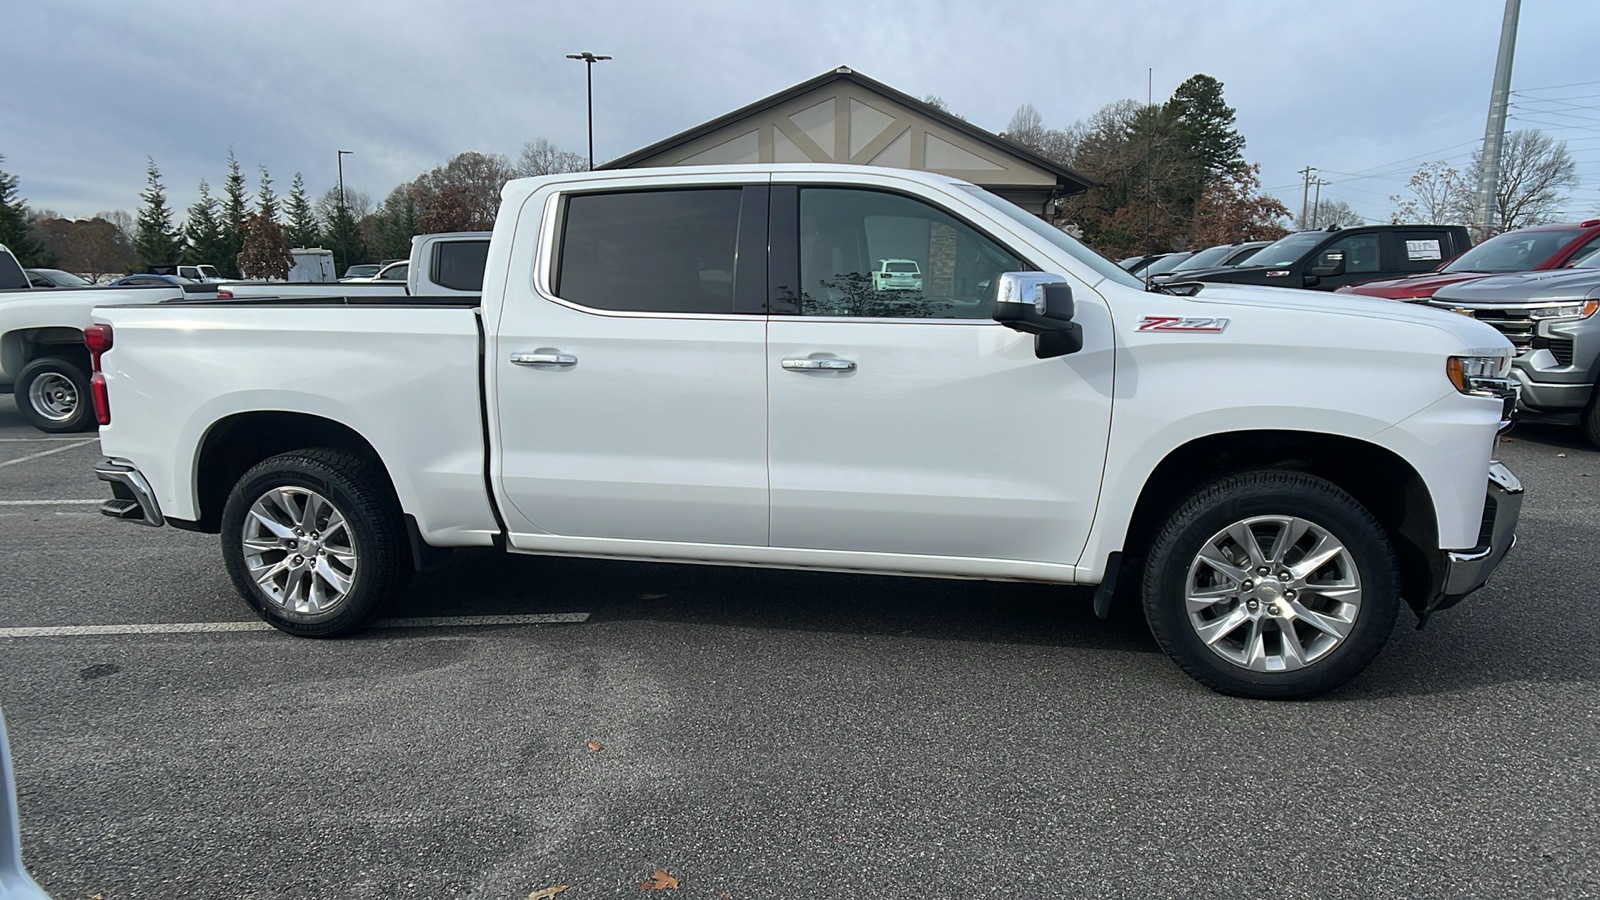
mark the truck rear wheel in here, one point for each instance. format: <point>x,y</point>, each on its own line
<point>1590,420</point>
<point>52,393</point>
<point>1273,585</point>
<point>313,542</point>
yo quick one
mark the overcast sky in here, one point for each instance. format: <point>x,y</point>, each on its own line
<point>1364,91</point>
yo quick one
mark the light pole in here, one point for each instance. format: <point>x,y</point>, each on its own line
<point>589,59</point>
<point>344,237</point>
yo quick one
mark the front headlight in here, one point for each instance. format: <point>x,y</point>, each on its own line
<point>1580,310</point>
<point>1478,374</point>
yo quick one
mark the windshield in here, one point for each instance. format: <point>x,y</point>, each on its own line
<point>1285,251</point>
<point>1165,264</point>
<point>1205,259</point>
<point>1105,268</point>
<point>1514,251</point>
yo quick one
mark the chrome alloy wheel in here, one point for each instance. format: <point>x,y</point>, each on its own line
<point>53,396</point>
<point>299,550</point>
<point>1273,593</point>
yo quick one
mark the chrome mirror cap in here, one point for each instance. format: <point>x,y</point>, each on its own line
<point>1025,288</point>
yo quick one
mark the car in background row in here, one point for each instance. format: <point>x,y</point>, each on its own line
<point>147,279</point>
<point>1536,248</point>
<point>399,271</point>
<point>363,270</point>
<point>1549,317</point>
<point>1234,254</point>
<point>1334,257</point>
<point>47,279</point>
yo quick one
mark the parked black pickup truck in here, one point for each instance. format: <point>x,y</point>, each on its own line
<point>1332,258</point>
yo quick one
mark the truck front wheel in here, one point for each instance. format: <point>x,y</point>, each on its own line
<point>313,542</point>
<point>1271,584</point>
<point>52,393</point>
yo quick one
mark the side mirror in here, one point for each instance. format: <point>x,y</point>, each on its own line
<point>1039,304</point>
<point>1331,264</point>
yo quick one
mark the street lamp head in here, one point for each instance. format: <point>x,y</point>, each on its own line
<point>586,56</point>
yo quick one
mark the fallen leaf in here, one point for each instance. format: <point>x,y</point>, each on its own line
<point>660,881</point>
<point>1561,456</point>
<point>547,893</point>
<point>595,747</point>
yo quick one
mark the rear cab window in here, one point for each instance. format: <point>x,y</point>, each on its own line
<point>458,265</point>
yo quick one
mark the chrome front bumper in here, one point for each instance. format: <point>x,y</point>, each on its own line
<point>1468,570</point>
<point>131,497</point>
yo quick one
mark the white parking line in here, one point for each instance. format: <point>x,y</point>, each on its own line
<point>23,459</point>
<point>207,627</point>
<point>47,502</point>
<point>30,440</point>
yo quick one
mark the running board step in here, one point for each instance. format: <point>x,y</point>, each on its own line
<point>121,509</point>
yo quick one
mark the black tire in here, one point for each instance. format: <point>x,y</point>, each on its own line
<point>369,552</point>
<point>1590,420</point>
<point>52,393</point>
<point>1274,615</point>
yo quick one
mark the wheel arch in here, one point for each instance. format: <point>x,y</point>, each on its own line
<point>1378,478</point>
<point>21,346</point>
<point>234,444</point>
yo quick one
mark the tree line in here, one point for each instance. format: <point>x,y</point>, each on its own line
<point>251,235</point>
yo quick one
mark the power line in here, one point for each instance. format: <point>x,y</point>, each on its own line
<point>1551,87</point>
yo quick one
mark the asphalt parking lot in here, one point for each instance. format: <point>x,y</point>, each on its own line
<point>757,734</point>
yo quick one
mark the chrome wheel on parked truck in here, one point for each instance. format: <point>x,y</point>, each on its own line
<point>312,542</point>
<point>1271,584</point>
<point>52,394</point>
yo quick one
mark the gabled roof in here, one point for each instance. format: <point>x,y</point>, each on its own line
<point>1069,180</point>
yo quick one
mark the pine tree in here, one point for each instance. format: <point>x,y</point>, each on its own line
<point>208,245</point>
<point>14,232</point>
<point>158,242</point>
<point>1208,122</point>
<point>266,200</point>
<point>302,230</point>
<point>234,209</point>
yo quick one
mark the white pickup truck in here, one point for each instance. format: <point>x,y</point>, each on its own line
<point>694,365</point>
<point>42,358</point>
<point>444,264</point>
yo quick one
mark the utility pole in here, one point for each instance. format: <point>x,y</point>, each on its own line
<point>1494,132</point>
<point>1318,201</point>
<point>1305,193</point>
<point>344,214</point>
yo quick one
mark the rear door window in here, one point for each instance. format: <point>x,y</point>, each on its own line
<point>458,265</point>
<point>1421,251</point>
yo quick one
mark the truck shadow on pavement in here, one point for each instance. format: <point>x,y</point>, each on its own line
<point>482,582</point>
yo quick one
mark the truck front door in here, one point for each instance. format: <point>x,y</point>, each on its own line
<point>903,418</point>
<point>630,391</point>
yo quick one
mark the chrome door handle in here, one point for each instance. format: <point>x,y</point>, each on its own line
<point>563,360</point>
<point>806,364</point>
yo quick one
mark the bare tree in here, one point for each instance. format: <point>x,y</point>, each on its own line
<point>1331,212</point>
<point>1027,129</point>
<point>266,253</point>
<point>1536,171</point>
<point>937,102</point>
<point>1440,195</point>
<point>122,219</point>
<point>544,158</point>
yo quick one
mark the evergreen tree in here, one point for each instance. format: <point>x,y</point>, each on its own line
<point>302,230</point>
<point>208,244</point>
<point>158,242</point>
<point>1208,123</point>
<point>266,200</point>
<point>14,231</point>
<point>234,209</point>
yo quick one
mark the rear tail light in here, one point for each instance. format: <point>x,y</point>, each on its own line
<point>224,294</point>
<point>102,399</point>
<point>98,339</point>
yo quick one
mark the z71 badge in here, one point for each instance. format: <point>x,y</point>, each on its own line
<point>1181,323</point>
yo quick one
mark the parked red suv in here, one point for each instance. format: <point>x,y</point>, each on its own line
<point>1523,250</point>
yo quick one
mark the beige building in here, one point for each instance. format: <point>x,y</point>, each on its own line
<point>845,117</point>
